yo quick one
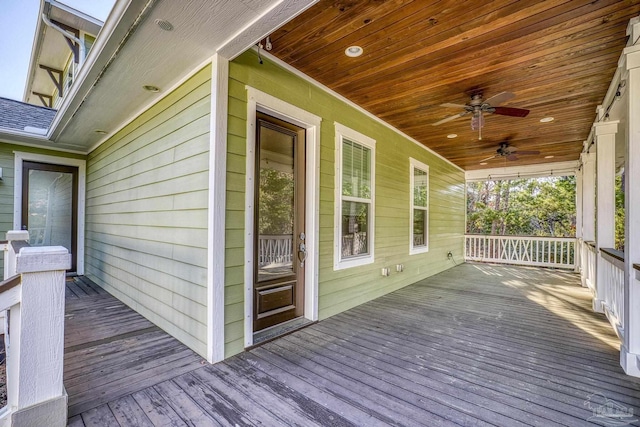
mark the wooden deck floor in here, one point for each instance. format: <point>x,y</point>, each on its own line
<point>477,345</point>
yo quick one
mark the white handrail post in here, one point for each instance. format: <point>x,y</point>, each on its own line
<point>10,261</point>
<point>36,395</point>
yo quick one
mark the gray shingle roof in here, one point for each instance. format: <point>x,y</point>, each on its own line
<point>17,115</point>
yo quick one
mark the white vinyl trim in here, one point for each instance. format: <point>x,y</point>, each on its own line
<point>413,165</point>
<point>361,139</point>
<point>217,208</point>
<point>20,157</point>
<point>265,103</point>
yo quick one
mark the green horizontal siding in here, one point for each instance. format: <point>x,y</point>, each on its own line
<point>343,289</point>
<point>146,218</point>
<point>7,163</point>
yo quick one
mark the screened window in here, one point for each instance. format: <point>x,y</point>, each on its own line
<point>419,222</point>
<point>354,198</point>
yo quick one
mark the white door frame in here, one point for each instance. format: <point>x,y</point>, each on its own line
<point>258,101</point>
<point>21,157</point>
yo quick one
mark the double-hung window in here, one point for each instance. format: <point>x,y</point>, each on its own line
<point>419,207</point>
<point>355,190</point>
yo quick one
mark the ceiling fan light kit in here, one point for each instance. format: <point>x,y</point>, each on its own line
<point>478,107</point>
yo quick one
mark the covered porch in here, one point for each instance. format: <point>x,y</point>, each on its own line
<point>479,344</point>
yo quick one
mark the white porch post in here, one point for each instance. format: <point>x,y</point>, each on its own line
<point>630,348</point>
<point>588,203</point>
<point>605,134</point>
<point>36,394</point>
<point>578,250</point>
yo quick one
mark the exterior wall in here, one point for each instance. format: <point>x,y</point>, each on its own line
<point>343,289</point>
<point>7,160</point>
<point>146,220</point>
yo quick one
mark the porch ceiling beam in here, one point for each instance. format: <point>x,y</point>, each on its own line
<point>56,77</point>
<point>47,100</point>
<point>528,171</point>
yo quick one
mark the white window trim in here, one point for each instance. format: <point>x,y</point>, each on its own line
<point>19,158</point>
<point>413,165</point>
<point>352,135</point>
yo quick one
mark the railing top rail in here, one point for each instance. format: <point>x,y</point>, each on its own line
<point>500,236</point>
<point>613,253</point>
<point>10,283</point>
<point>19,244</point>
<point>274,236</point>
<point>591,243</point>
<point>636,266</point>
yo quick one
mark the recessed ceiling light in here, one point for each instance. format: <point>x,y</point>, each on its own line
<point>100,132</point>
<point>165,25</point>
<point>483,163</point>
<point>549,157</point>
<point>452,135</point>
<point>546,119</point>
<point>151,88</point>
<point>353,51</point>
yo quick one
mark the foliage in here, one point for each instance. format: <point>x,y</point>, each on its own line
<point>619,220</point>
<point>524,207</point>
<point>276,202</point>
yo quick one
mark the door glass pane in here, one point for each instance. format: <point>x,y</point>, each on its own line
<point>355,224</point>
<point>276,205</point>
<point>50,211</point>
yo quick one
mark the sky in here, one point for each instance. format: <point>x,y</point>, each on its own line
<point>18,20</point>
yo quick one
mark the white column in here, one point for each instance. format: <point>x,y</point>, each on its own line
<point>578,251</point>
<point>36,394</point>
<point>588,209</point>
<point>605,134</point>
<point>630,349</point>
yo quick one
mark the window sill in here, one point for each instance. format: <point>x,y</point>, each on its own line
<point>419,250</point>
<point>353,262</point>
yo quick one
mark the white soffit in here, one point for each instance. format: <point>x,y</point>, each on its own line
<point>527,171</point>
<point>152,56</point>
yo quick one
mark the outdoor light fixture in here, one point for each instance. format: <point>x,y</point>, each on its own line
<point>151,88</point>
<point>353,51</point>
<point>452,135</point>
<point>549,157</point>
<point>546,119</point>
<point>483,163</point>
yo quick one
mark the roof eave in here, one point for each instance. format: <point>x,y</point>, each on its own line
<point>35,52</point>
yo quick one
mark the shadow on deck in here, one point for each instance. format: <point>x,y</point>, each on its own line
<point>475,345</point>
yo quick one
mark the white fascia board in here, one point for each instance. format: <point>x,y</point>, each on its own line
<point>35,53</point>
<point>27,139</point>
<point>123,15</point>
<point>527,171</point>
<point>282,12</point>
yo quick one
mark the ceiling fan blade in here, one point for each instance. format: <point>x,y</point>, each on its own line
<point>526,152</point>
<point>510,111</point>
<point>450,105</point>
<point>499,98</point>
<point>448,119</point>
<point>512,156</point>
<point>489,158</point>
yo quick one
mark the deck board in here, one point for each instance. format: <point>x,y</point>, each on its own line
<point>475,345</point>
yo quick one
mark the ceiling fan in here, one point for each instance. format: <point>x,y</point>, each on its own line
<point>508,152</point>
<point>477,107</point>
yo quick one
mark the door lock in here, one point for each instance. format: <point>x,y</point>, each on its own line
<point>302,254</point>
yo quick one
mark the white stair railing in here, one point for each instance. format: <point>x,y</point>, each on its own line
<point>33,299</point>
<point>558,252</point>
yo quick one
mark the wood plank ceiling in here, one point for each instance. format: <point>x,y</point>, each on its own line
<point>557,57</point>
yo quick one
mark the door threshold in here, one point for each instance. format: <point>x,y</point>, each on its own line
<point>280,330</point>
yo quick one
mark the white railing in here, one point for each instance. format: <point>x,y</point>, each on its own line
<point>612,290</point>
<point>558,252</point>
<point>33,300</point>
<point>588,260</point>
<point>275,249</point>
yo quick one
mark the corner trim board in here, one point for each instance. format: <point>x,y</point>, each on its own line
<point>217,207</point>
